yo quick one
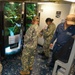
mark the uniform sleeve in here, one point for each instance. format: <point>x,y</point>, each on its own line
<point>55,35</point>
<point>28,34</point>
<point>35,33</point>
<point>34,37</point>
<point>49,31</point>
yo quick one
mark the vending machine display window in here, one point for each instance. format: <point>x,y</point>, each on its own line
<point>30,12</point>
<point>12,27</point>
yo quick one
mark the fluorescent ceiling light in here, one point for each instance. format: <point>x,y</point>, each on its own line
<point>11,2</point>
<point>70,0</point>
<point>45,2</point>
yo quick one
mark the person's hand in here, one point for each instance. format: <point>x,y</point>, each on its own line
<point>51,46</point>
<point>40,35</point>
<point>42,31</point>
<point>45,27</point>
<point>73,36</point>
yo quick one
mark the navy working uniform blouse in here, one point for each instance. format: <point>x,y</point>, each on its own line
<point>62,36</point>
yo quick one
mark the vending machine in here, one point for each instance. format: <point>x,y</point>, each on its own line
<point>10,27</point>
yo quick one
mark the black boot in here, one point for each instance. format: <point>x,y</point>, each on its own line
<point>42,54</point>
<point>48,64</point>
<point>45,57</point>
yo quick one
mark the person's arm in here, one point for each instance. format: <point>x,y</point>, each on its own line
<point>28,34</point>
<point>73,36</point>
<point>54,36</point>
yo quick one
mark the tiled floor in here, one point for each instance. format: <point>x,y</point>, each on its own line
<point>12,65</point>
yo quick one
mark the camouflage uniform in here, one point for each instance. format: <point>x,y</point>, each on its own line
<point>48,34</point>
<point>28,53</point>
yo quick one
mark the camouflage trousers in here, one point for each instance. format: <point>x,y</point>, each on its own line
<point>27,58</point>
<point>46,48</point>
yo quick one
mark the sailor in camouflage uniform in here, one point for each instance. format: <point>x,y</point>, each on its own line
<point>48,34</point>
<point>30,44</point>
